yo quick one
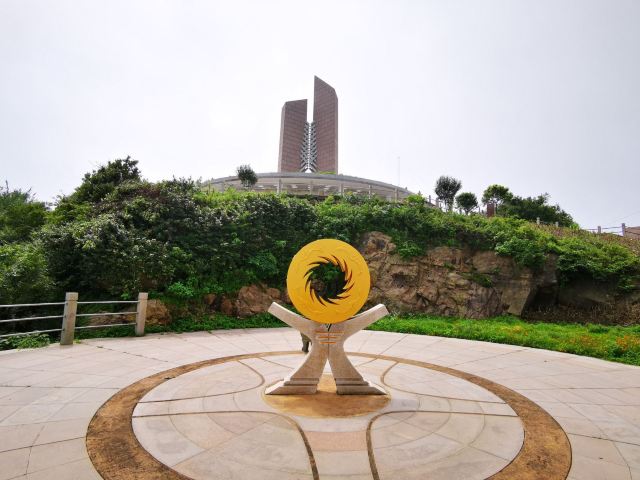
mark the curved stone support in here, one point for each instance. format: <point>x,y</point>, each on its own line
<point>327,343</point>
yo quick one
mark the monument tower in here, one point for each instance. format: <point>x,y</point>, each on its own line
<point>310,146</point>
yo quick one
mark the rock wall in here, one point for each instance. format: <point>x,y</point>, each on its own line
<point>451,281</point>
<point>249,300</point>
<point>458,282</point>
<point>446,281</point>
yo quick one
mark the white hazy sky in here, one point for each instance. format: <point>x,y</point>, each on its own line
<point>538,95</point>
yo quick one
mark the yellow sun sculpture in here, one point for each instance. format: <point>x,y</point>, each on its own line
<point>348,301</point>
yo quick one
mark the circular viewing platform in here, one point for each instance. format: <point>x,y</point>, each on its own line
<point>316,184</point>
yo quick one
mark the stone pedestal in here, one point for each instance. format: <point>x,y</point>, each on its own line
<point>327,343</point>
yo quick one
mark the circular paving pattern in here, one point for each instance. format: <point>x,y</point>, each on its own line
<point>212,420</point>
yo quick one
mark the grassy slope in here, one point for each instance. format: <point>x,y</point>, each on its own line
<point>615,343</point>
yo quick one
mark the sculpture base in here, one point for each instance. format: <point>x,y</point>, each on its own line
<point>293,387</point>
<point>310,387</point>
<point>361,387</point>
<point>327,345</point>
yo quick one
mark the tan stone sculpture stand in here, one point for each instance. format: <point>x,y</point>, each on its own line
<point>327,342</point>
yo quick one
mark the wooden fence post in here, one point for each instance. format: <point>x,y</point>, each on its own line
<point>69,318</point>
<point>624,229</point>
<point>141,313</point>
<point>599,229</point>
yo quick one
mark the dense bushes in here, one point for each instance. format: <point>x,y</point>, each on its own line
<point>535,208</point>
<point>532,209</point>
<point>20,215</point>
<point>170,237</point>
<point>117,235</point>
<point>24,274</point>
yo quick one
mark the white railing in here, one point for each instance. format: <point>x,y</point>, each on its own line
<point>70,314</point>
<point>622,229</point>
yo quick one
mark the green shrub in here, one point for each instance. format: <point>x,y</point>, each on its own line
<point>20,215</point>
<point>101,182</point>
<point>480,278</point>
<point>24,276</point>
<point>408,249</point>
<point>265,265</point>
<point>594,258</point>
<point>181,291</point>
<point>104,257</point>
<point>25,341</point>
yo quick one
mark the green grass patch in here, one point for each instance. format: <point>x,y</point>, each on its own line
<point>27,340</point>
<point>615,343</point>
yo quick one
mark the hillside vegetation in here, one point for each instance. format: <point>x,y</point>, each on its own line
<point>118,234</point>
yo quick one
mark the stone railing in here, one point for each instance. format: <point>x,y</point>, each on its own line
<point>70,314</point>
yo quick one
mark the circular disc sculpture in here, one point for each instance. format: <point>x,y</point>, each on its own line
<point>330,319</point>
<point>356,275</point>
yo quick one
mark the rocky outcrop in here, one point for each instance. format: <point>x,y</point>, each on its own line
<point>458,282</point>
<point>254,299</point>
<point>451,281</point>
<point>157,313</point>
<point>108,319</point>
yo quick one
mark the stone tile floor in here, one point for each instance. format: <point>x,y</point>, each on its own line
<point>206,423</point>
<point>48,396</point>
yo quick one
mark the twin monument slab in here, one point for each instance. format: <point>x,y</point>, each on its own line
<point>327,321</point>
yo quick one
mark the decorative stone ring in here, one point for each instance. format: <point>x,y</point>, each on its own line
<point>347,302</point>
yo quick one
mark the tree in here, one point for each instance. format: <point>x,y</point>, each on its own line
<point>246,175</point>
<point>99,183</point>
<point>446,189</point>
<point>20,215</point>
<point>467,201</point>
<point>24,275</point>
<point>496,194</point>
<point>533,208</point>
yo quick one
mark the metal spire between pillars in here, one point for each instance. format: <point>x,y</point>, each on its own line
<point>308,149</point>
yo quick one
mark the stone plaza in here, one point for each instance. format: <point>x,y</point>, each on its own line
<point>193,406</point>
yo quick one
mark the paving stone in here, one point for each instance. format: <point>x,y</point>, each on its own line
<point>501,436</point>
<point>597,449</point>
<point>13,437</point>
<point>425,449</point>
<point>57,453</point>
<point>62,430</point>
<point>13,463</point>
<point>77,470</point>
<point>332,441</point>
<point>201,430</point>
<point>211,466</point>
<point>468,464</point>
<point>342,464</point>
<point>463,428</point>
<point>630,453</point>
<point>158,436</point>
<point>584,468</point>
<point>32,414</point>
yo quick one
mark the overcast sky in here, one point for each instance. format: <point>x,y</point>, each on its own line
<point>538,95</point>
